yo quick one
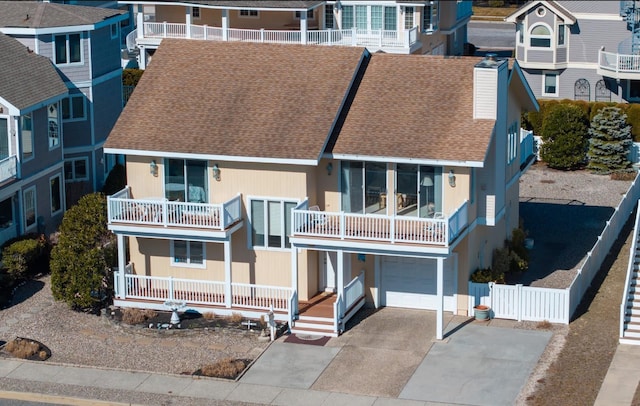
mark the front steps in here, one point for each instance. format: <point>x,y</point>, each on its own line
<point>631,326</point>
<point>312,325</point>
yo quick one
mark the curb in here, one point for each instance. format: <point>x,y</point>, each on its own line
<point>66,400</point>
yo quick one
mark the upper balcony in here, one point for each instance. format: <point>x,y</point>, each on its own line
<point>440,231</point>
<point>158,215</point>
<point>8,168</point>
<point>390,41</point>
<point>618,66</point>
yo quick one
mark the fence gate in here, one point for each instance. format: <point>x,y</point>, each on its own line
<point>505,300</point>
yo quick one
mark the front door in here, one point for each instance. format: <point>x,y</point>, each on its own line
<point>328,267</point>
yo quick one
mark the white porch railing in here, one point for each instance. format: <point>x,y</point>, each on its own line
<point>8,168</point>
<point>200,292</point>
<point>130,40</point>
<point>619,63</point>
<point>375,227</point>
<point>630,270</point>
<point>527,145</point>
<point>378,39</point>
<point>354,291</point>
<point>337,314</point>
<point>162,212</point>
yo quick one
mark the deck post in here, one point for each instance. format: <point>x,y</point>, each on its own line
<point>225,25</point>
<point>294,276</point>
<point>227,274</point>
<point>187,26</point>
<point>340,281</point>
<point>140,22</point>
<point>440,298</point>
<point>122,257</point>
<point>303,27</point>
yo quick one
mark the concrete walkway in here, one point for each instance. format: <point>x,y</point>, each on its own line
<point>622,379</point>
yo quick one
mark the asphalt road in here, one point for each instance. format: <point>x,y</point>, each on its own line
<point>492,34</point>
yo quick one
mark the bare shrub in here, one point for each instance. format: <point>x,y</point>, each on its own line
<point>23,349</point>
<point>235,317</point>
<point>209,316</point>
<point>43,355</point>
<point>544,325</point>
<point>623,175</point>
<point>137,316</point>
<point>227,368</point>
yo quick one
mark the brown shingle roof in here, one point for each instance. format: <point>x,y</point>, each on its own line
<point>47,15</point>
<point>237,99</point>
<point>418,107</point>
<point>28,78</point>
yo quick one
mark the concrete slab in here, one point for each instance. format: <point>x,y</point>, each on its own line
<point>290,365</point>
<point>356,370</point>
<point>397,402</point>
<point>620,383</point>
<point>80,376</point>
<point>343,399</point>
<point>254,393</point>
<point>209,389</point>
<point>123,380</point>
<point>300,397</point>
<point>7,366</point>
<point>480,365</point>
<point>32,371</point>
<point>164,384</point>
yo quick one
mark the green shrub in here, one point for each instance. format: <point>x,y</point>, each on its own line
<point>564,137</point>
<point>487,275</point>
<point>131,77</point>
<point>518,235</point>
<point>633,118</point>
<point>81,262</point>
<point>496,3</point>
<point>22,258</point>
<point>116,180</point>
<point>609,143</point>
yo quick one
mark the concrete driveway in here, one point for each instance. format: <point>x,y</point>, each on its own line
<point>392,354</point>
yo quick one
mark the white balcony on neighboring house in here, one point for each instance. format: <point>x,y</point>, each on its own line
<point>8,168</point>
<point>618,66</point>
<point>160,216</point>
<point>351,228</point>
<point>390,41</point>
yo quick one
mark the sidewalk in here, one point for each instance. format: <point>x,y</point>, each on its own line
<point>620,383</point>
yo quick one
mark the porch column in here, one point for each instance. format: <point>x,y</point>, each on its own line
<point>142,58</point>
<point>188,17</point>
<point>340,280</point>
<point>303,26</point>
<point>377,284</point>
<point>140,22</point>
<point>294,276</point>
<point>227,274</point>
<point>122,259</point>
<point>225,24</point>
<point>440,297</point>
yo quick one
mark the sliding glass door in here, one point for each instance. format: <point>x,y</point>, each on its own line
<point>186,180</point>
<point>364,187</point>
<point>418,191</point>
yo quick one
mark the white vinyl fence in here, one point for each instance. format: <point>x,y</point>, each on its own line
<point>518,302</point>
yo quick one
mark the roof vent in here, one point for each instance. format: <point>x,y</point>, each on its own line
<point>490,60</point>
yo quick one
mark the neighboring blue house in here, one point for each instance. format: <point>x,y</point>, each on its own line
<point>84,45</point>
<point>31,157</point>
<point>582,50</point>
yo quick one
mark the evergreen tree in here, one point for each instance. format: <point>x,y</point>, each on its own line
<point>610,141</point>
<point>564,137</point>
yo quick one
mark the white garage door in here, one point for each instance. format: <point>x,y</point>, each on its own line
<point>411,282</point>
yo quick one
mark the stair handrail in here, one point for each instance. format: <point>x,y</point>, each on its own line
<point>337,314</point>
<point>630,268</point>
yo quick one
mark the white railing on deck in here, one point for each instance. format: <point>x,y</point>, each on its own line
<point>375,227</point>
<point>201,292</point>
<point>630,270</point>
<point>354,291</point>
<point>8,168</point>
<point>162,212</point>
<point>351,37</point>
<point>131,40</point>
<point>526,145</point>
<point>619,62</point>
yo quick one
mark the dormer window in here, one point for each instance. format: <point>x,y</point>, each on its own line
<point>540,36</point>
<point>561,32</point>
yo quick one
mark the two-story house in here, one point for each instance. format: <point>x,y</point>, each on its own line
<point>31,161</point>
<point>582,50</point>
<point>314,179</point>
<point>84,45</point>
<point>392,26</point>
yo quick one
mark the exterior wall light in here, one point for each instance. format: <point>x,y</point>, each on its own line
<point>452,179</point>
<point>329,168</point>
<point>153,167</point>
<point>216,172</point>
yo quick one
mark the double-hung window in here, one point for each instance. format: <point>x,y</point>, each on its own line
<point>248,13</point>
<point>27,136</point>
<point>329,18</point>
<point>4,138</point>
<point>430,17</point>
<point>561,34</point>
<point>114,31</point>
<point>195,13</point>
<point>369,17</point>
<point>550,84</point>
<point>54,126</point>
<point>29,203</point>
<point>188,253</point>
<point>73,108</point>
<point>271,222</point>
<point>68,48</point>
<point>408,18</point>
<point>512,142</point>
<point>55,188</point>
<point>76,170</point>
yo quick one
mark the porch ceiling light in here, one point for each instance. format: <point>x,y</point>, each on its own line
<point>216,172</point>
<point>153,167</point>
<point>452,179</point>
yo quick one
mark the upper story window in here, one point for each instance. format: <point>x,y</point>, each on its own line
<point>369,17</point>
<point>195,12</point>
<point>520,31</point>
<point>55,196</point>
<point>4,138</point>
<point>73,108</point>
<point>561,34</point>
<point>54,126</point>
<point>329,17</point>
<point>27,136</point>
<point>249,13</point>
<point>310,15</point>
<point>364,187</point>
<point>541,12</point>
<point>29,206</point>
<point>512,142</point>
<point>408,18</point>
<point>271,222</point>
<point>114,31</point>
<point>76,170</point>
<point>540,36</point>
<point>68,49</point>
<point>430,17</point>
<point>185,180</point>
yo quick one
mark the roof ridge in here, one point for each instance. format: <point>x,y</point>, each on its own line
<point>37,18</point>
<point>67,9</point>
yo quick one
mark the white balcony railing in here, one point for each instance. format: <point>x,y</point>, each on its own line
<point>373,227</point>
<point>378,39</point>
<point>527,146</point>
<point>162,212</point>
<point>8,168</point>
<point>618,63</point>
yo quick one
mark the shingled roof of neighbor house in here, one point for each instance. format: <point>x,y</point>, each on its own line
<point>28,78</point>
<point>32,14</point>
<point>237,99</point>
<point>417,107</point>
